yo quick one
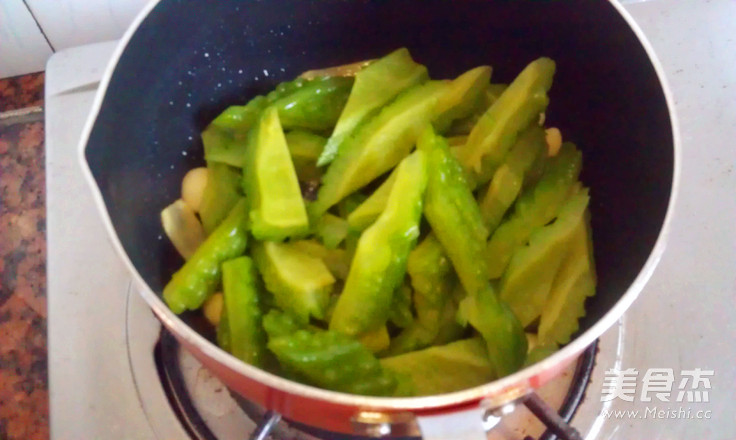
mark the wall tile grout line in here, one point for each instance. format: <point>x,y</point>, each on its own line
<point>40,29</point>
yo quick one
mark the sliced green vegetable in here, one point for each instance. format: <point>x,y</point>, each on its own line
<point>449,329</point>
<point>241,292</point>
<point>333,361</point>
<point>350,69</point>
<point>517,107</point>
<point>350,204</point>
<point>379,264</point>
<point>400,314</point>
<point>431,277</point>
<point>336,260</point>
<point>526,283</point>
<point>453,213</point>
<point>444,369</point>
<point>508,178</point>
<point>276,206</point>
<point>462,97</point>
<point>379,145</point>
<point>368,211</point>
<point>316,105</point>
<point>456,221</point>
<point>376,340</point>
<point>277,323</point>
<point>332,230</point>
<point>240,118</point>
<point>300,282</point>
<point>223,146</point>
<point>465,125</point>
<point>191,285</point>
<point>539,353</point>
<point>535,208</point>
<point>305,148</point>
<point>456,142</point>
<point>220,194</point>
<point>375,86</point>
<point>504,335</point>
<point>222,334</point>
<point>286,88</point>
<point>574,282</point>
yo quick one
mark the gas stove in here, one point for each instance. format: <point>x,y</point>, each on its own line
<point>115,374</point>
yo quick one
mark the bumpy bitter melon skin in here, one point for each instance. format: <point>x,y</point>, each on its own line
<point>453,213</point>
<point>379,264</point>
<point>456,220</point>
<point>316,105</point>
<point>191,285</point>
<point>301,103</point>
<point>333,361</point>
<point>242,300</point>
<point>300,282</point>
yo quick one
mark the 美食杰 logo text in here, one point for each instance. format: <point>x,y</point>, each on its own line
<point>657,385</point>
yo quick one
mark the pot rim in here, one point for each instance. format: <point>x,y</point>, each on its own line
<point>520,379</point>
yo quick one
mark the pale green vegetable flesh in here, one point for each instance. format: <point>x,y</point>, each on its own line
<point>375,86</point>
<point>304,148</point>
<point>462,96</point>
<point>572,285</point>
<point>518,106</point>
<point>336,260</point>
<point>379,145</point>
<point>534,209</point>
<point>509,177</point>
<point>432,279</point>
<point>224,147</point>
<point>299,282</point>
<point>443,369</point>
<point>332,230</point>
<point>277,211</point>
<point>336,178</point>
<point>368,211</point>
<point>528,279</point>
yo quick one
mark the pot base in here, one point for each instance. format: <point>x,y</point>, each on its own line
<point>197,396</point>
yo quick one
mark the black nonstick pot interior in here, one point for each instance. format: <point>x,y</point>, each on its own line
<point>189,60</point>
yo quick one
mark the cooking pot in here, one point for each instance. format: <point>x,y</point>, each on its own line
<point>182,62</point>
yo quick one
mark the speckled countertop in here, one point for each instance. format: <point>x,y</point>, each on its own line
<point>23,378</point>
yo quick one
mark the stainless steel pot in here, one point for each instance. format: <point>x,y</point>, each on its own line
<point>183,62</point>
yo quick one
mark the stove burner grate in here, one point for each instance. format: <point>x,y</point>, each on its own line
<point>270,425</point>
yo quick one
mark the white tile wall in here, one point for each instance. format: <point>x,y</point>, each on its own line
<point>69,23</point>
<point>65,23</point>
<point>22,46</point>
